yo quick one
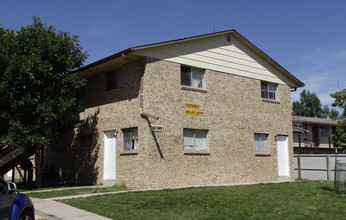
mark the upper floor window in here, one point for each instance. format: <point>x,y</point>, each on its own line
<point>195,139</point>
<point>80,98</point>
<point>114,79</point>
<point>85,140</point>
<point>192,77</point>
<point>261,143</point>
<point>324,131</point>
<point>130,139</point>
<point>268,90</point>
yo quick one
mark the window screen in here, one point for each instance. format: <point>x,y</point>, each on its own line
<point>195,139</point>
<point>114,79</point>
<point>261,143</point>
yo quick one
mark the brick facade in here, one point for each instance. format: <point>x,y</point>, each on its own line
<point>233,111</point>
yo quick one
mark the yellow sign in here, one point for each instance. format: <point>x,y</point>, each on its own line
<point>193,112</point>
<point>190,105</point>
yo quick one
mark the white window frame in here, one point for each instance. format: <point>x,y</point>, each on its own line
<point>130,139</point>
<point>193,75</point>
<point>261,143</point>
<point>117,82</point>
<point>268,90</point>
<point>195,139</point>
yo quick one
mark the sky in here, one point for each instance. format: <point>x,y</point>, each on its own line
<point>306,37</point>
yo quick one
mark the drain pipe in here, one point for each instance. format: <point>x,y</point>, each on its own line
<point>141,109</point>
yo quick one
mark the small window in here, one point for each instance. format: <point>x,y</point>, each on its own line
<point>85,140</point>
<point>268,90</point>
<point>192,77</point>
<point>195,139</point>
<point>130,139</point>
<point>324,131</point>
<point>114,79</point>
<point>80,98</point>
<point>261,143</point>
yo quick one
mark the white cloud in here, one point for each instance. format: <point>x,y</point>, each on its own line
<point>323,71</point>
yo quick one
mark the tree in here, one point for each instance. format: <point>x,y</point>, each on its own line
<point>329,113</point>
<point>36,83</point>
<point>340,101</point>
<point>309,105</point>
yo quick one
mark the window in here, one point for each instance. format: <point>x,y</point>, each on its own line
<point>324,131</point>
<point>195,139</point>
<point>268,90</point>
<point>261,143</point>
<point>130,139</point>
<point>80,98</point>
<point>85,140</point>
<point>114,79</point>
<point>192,77</point>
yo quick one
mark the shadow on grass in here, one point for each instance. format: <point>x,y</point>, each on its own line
<point>327,188</point>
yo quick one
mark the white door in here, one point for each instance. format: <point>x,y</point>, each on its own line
<point>109,157</point>
<point>283,157</point>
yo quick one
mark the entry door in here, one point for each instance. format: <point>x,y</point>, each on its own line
<point>315,136</point>
<point>109,156</point>
<point>283,158</point>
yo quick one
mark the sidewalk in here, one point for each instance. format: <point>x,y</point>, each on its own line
<point>56,210</point>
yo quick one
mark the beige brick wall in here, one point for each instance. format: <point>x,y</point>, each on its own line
<point>233,112</point>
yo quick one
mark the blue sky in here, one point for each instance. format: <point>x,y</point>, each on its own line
<point>307,37</point>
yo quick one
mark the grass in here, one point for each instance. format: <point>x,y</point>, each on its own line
<point>71,192</point>
<point>298,200</point>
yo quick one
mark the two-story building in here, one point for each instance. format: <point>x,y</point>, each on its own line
<point>314,135</point>
<point>209,109</point>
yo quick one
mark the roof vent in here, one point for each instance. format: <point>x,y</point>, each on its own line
<point>229,39</point>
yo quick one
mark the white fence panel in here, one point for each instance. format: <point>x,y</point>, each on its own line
<point>317,166</point>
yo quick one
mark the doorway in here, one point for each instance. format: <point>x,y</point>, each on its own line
<point>283,158</point>
<point>315,136</point>
<point>109,159</point>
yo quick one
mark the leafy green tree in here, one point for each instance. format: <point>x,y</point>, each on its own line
<point>309,105</point>
<point>329,113</point>
<point>333,114</point>
<point>36,83</point>
<point>340,101</point>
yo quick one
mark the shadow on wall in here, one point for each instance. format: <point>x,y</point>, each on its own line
<point>75,161</point>
<point>95,91</point>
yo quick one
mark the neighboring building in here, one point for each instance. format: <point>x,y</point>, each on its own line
<point>313,135</point>
<point>210,109</point>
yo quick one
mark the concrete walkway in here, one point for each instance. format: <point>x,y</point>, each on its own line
<point>55,210</point>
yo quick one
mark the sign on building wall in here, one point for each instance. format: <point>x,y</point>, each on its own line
<point>190,105</point>
<point>156,128</point>
<point>194,110</point>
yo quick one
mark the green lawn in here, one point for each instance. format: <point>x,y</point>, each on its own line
<point>76,191</point>
<point>298,200</point>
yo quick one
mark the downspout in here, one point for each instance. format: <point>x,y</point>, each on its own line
<point>293,89</point>
<point>141,109</point>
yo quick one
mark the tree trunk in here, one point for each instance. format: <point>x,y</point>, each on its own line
<point>39,164</point>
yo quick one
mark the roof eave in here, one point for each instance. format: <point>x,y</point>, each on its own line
<point>269,59</point>
<point>295,80</point>
<point>111,57</point>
